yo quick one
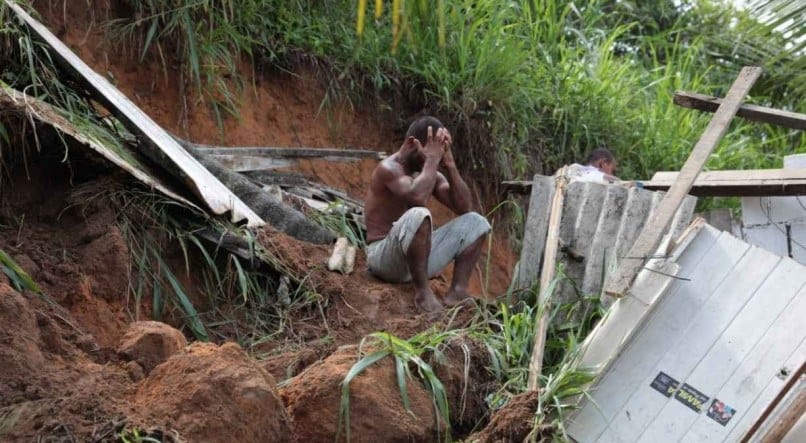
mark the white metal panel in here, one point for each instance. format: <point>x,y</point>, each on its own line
<point>726,353</point>
<point>647,408</point>
<point>768,392</point>
<point>724,333</point>
<point>619,381</point>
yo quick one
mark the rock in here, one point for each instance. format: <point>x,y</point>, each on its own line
<point>213,394</point>
<point>150,343</point>
<point>134,370</point>
<point>376,408</point>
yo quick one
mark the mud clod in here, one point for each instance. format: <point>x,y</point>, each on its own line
<point>213,394</point>
<point>376,409</point>
<point>150,343</point>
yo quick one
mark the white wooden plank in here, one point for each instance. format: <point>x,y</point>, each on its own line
<point>698,333</point>
<point>615,386</point>
<point>744,331</point>
<point>764,373</point>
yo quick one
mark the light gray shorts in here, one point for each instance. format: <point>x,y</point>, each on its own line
<point>386,259</point>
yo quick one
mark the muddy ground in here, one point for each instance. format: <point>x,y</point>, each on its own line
<point>79,362</point>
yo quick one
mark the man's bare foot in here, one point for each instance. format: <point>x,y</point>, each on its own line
<point>456,298</point>
<point>426,301</point>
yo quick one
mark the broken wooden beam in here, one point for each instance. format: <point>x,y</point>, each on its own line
<point>242,159</point>
<point>750,183</point>
<point>157,144</point>
<point>649,239</point>
<point>707,103</point>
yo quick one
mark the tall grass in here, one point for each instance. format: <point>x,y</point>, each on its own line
<point>526,85</point>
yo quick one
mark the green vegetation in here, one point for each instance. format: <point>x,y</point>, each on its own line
<point>526,84</point>
<point>507,332</point>
<point>19,279</point>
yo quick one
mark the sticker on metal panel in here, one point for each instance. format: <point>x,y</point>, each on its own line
<point>665,384</point>
<point>720,412</point>
<point>691,397</point>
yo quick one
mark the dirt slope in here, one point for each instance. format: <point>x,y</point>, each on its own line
<point>61,376</point>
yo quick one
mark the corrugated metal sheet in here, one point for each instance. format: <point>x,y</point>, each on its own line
<point>697,357</point>
<point>599,224</point>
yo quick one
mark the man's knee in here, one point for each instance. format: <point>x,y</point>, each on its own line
<point>476,223</point>
<point>416,217</point>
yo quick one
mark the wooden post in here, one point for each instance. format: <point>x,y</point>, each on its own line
<point>650,237</point>
<point>546,276</point>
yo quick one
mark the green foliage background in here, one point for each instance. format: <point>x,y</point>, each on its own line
<point>526,85</point>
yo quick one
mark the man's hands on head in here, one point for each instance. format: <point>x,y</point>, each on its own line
<point>447,158</point>
<point>435,145</point>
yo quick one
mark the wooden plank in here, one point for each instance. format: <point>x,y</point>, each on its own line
<point>751,175</point>
<point>157,143</point>
<point>534,235</point>
<point>786,421</point>
<point>750,183</point>
<point>15,101</point>
<point>647,243</point>
<point>602,250</point>
<point>707,103</point>
<point>546,277</point>
<point>278,152</point>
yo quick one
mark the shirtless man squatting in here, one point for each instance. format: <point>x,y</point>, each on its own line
<point>402,245</point>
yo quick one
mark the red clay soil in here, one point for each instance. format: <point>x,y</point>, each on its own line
<point>213,394</point>
<point>376,409</point>
<point>358,304</point>
<point>60,376</point>
<point>280,109</point>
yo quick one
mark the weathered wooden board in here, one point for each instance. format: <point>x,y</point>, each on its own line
<point>750,183</point>
<point>651,235</point>
<point>725,332</point>
<point>534,236</point>
<point>762,114</point>
<point>157,143</point>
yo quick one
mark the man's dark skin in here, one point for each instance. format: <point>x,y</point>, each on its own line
<point>407,179</point>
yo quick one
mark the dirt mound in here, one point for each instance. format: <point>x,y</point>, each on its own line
<point>212,393</point>
<point>150,343</point>
<point>359,304</point>
<point>19,337</point>
<point>376,409</point>
<point>463,370</point>
<point>49,386</point>
<point>513,422</point>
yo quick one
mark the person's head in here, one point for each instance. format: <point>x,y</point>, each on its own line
<point>604,160</point>
<point>419,130</point>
